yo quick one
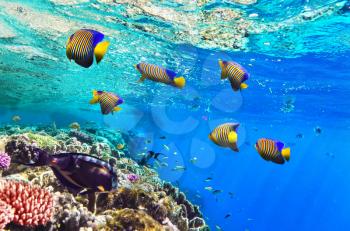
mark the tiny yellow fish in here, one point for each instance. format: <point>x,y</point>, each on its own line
<point>16,118</point>
<point>120,146</point>
<point>75,125</point>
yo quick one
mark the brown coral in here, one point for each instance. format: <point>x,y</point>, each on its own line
<point>131,219</point>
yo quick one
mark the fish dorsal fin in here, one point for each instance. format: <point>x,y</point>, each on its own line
<point>279,145</point>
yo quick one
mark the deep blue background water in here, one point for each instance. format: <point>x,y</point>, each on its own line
<point>308,193</point>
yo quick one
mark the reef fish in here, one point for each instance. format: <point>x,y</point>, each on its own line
<point>225,135</point>
<point>109,102</point>
<point>84,44</point>
<point>272,150</point>
<point>235,73</point>
<point>160,74</point>
<point>80,173</point>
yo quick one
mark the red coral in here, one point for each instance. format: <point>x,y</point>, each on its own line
<point>32,205</point>
<point>6,214</point>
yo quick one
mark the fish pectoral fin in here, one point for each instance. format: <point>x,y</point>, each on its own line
<point>232,137</point>
<point>244,86</point>
<point>100,50</point>
<point>101,188</point>
<point>117,108</point>
<point>143,77</point>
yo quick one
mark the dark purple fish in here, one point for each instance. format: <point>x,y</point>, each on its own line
<point>80,173</point>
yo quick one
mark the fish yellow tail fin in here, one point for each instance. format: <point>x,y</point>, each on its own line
<point>100,50</point>
<point>180,82</point>
<point>232,137</point>
<point>223,72</point>
<point>286,153</point>
<point>94,98</point>
<point>244,86</point>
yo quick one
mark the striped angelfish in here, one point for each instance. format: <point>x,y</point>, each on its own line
<point>160,74</point>
<point>272,150</point>
<point>235,73</point>
<point>225,135</point>
<point>84,44</point>
<point>108,101</point>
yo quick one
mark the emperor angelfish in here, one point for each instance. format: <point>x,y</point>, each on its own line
<point>109,102</point>
<point>225,135</point>
<point>272,150</point>
<point>84,44</point>
<point>160,74</point>
<point>235,73</point>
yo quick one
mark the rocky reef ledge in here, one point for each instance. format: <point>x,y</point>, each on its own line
<point>142,200</point>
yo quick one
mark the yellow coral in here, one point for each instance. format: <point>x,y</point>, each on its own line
<point>44,141</point>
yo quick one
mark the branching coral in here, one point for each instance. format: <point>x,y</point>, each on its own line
<point>32,205</point>
<point>6,214</point>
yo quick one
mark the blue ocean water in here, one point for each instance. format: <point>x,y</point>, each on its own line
<point>298,93</point>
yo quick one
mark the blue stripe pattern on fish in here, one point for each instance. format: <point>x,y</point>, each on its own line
<point>84,44</point>
<point>225,135</point>
<point>236,74</point>
<point>160,74</point>
<point>272,150</point>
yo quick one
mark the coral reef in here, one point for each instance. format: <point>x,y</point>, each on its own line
<point>32,205</point>
<point>5,160</point>
<point>6,214</point>
<point>141,202</point>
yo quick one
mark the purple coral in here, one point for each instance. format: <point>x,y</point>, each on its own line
<point>5,160</point>
<point>133,178</point>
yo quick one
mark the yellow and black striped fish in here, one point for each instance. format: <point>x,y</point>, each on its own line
<point>272,150</point>
<point>235,73</point>
<point>159,74</point>
<point>225,135</point>
<point>84,44</point>
<point>109,102</point>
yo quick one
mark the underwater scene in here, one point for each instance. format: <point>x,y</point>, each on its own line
<point>174,115</point>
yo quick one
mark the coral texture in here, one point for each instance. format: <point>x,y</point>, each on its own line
<point>32,205</point>
<point>6,214</point>
<point>5,160</point>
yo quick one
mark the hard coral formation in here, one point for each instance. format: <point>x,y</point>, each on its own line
<point>142,201</point>
<point>6,214</point>
<point>32,205</point>
<point>131,219</point>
